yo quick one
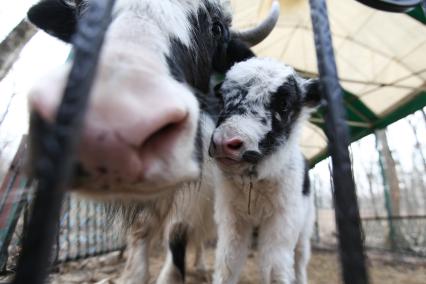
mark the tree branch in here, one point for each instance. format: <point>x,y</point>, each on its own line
<point>11,46</point>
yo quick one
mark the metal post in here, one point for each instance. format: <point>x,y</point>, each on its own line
<point>346,206</point>
<point>56,144</point>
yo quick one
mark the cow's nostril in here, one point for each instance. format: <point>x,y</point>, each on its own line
<point>234,144</point>
<point>165,129</point>
<point>163,137</point>
<point>80,171</point>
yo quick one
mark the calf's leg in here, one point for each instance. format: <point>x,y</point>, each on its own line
<point>277,242</point>
<point>231,252</point>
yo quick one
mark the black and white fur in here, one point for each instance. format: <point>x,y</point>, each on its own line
<point>178,44</point>
<point>261,180</point>
<point>173,45</point>
<point>182,219</point>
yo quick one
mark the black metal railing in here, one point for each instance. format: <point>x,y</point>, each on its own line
<point>54,145</point>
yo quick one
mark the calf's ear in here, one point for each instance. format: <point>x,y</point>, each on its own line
<point>313,96</point>
<point>55,17</point>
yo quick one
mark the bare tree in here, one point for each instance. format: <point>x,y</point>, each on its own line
<point>418,145</point>
<point>391,173</point>
<point>396,236</point>
<point>417,177</point>
<point>373,199</point>
<point>12,45</point>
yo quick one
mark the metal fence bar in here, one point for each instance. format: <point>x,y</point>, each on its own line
<point>56,145</point>
<point>346,207</point>
<point>68,229</point>
<point>78,228</point>
<point>87,229</point>
<point>385,218</point>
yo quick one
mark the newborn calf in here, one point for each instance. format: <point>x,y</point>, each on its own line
<point>262,178</point>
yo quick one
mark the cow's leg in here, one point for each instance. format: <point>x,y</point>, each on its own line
<point>231,252</point>
<point>173,271</point>
<point>136,270</point>
<point>277,242</point>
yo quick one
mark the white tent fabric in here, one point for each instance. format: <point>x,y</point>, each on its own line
<point>381,57</point>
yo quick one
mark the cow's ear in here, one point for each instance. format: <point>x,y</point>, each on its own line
<point>234,51</point>
<point>238,51</point>
<point>312,89</point>
<point>217,90</point>
<point>54,17</point>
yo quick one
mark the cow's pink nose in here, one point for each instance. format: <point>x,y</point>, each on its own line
<point>131,134</point>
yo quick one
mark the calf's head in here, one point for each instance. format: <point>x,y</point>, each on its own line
<point>264,104</point>
<point>140,132</point>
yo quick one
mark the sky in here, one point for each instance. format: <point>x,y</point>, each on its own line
<point>41,55</point>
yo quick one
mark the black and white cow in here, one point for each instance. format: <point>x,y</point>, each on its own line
<point>262,178</point>
<point>149,113</point>
<point>141,135</point>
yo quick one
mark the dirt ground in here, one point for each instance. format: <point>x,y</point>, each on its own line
<point>323,269</point>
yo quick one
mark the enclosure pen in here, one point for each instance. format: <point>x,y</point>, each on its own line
<point>56,144</point>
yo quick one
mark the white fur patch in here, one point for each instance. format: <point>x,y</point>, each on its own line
<point>268,73</point>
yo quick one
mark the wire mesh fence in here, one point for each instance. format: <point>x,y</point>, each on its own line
<point>391,190</point>
<point>84,231</point>
<point>399,234</point>
<point>403,234</point>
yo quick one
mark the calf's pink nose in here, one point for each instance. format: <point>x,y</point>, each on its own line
<point>233,144</point>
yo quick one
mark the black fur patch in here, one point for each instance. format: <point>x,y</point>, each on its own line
<point>233,52</point>
<point>199,156</point>
<point>252,157</point>
<point>306,181</point>
<point>211,50</point>
<point>177,244</point>
<point>193,64</point>
<point>55,17</point>
<point>313,97</point>
<point>285,106</point>
<point>235,106</point>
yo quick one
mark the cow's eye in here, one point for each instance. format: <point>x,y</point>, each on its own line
<point>217,29</point>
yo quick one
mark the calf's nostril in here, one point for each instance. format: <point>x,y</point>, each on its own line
<point>234,144</point>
